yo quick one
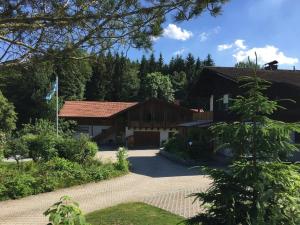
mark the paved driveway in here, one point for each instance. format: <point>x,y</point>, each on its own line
<point>154,180</point>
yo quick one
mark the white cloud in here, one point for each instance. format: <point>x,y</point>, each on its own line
<point>216,30</point>
<point>154,38</point>
<point>224,47</point>
<point>240,44</point>
<point>174,32</point>
<point>179,52</point>
<point>264,55</point>
<point>203,36</point>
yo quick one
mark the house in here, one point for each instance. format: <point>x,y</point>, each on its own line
<point>135,124</point>
<point>218,85</point>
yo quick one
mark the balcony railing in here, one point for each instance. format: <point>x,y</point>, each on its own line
<point>203,116</point>
<point>151,125</point>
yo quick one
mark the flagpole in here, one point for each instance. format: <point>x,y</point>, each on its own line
<point>56,105</point>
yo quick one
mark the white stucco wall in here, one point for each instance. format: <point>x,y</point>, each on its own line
<point>164,135</point>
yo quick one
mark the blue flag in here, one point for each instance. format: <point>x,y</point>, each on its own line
<point>52,91</point>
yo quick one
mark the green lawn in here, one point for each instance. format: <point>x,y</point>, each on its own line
<point>133,214</point>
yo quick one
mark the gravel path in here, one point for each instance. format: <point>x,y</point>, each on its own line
<point>153,180</point>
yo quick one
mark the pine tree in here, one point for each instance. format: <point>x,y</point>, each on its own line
<point>143,71</point>
<point>110,67</point>
<point>152,64</point>
<point>190,67</point>
<point>96,88</point>
<point>208,61</point>
<point>179,64</point>
<point>259,188</point>
<point>160,64</point>
<point>73,75</point>
<point>198,65</point>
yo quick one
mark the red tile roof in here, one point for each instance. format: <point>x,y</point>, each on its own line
<point>93,108</point>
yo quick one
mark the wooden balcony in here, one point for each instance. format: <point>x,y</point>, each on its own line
<point>203,116</point>
<point>151,125</point>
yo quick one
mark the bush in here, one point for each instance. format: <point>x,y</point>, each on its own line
<point>122,163</point>
<point>2,144</point>
<point>17,185</point>
<point>41,146</point>
<point>62,173</point>
<point>39,177</point>
<point>17,149</point>
<point>177,146</point>
<point>202,146</point>
<point>79,150</point>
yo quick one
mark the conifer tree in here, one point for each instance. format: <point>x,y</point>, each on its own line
<point>143,71</point>
<point>208,61</point>
<point>152,64</point>
<point>260,187</point>
<point>160,64</point>
<point>190,67</point>
<point>97,87</point>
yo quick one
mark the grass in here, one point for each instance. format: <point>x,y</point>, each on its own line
<point>133,214</point>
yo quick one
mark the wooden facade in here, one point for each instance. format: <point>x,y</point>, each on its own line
<point>150,122</point>
<point>218,82</point>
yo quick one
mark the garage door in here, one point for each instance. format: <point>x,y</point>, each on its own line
<point>146,139</point>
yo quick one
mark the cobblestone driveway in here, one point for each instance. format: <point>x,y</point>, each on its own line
<point>154,180</point>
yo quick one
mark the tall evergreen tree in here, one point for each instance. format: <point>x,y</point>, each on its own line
<point>190,67</point>
<point>198,64</point>
<point>178,65</point>
<point>259,188</point>
<point>143,71</point>
<point>160,64</point>
<point>26,87</point>
<point>97,87</point>
<point>208,61</point>
<point>110,67</point>
<point>152,64</point>
<point>73,75</point>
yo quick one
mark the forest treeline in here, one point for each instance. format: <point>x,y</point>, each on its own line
<point>109,77</point>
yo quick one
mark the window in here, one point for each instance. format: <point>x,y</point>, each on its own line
<point>83,129</point>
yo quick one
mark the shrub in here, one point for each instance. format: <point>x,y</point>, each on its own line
<point>79,150</point>
<point>42,126</point>
<point>63,173</point>
<point>122,163</point>
<point>202,146</point>
<point>41,146</point>
<point>17,185</point>
<point>2,144</point>
<point>177,146</point>
<point>64,212</point>
<point>98,172</point>
<point>17,149</point>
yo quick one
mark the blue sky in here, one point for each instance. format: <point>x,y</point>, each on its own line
<point>268,27</point>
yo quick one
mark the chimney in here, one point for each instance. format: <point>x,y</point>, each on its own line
<point>271,65</point>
